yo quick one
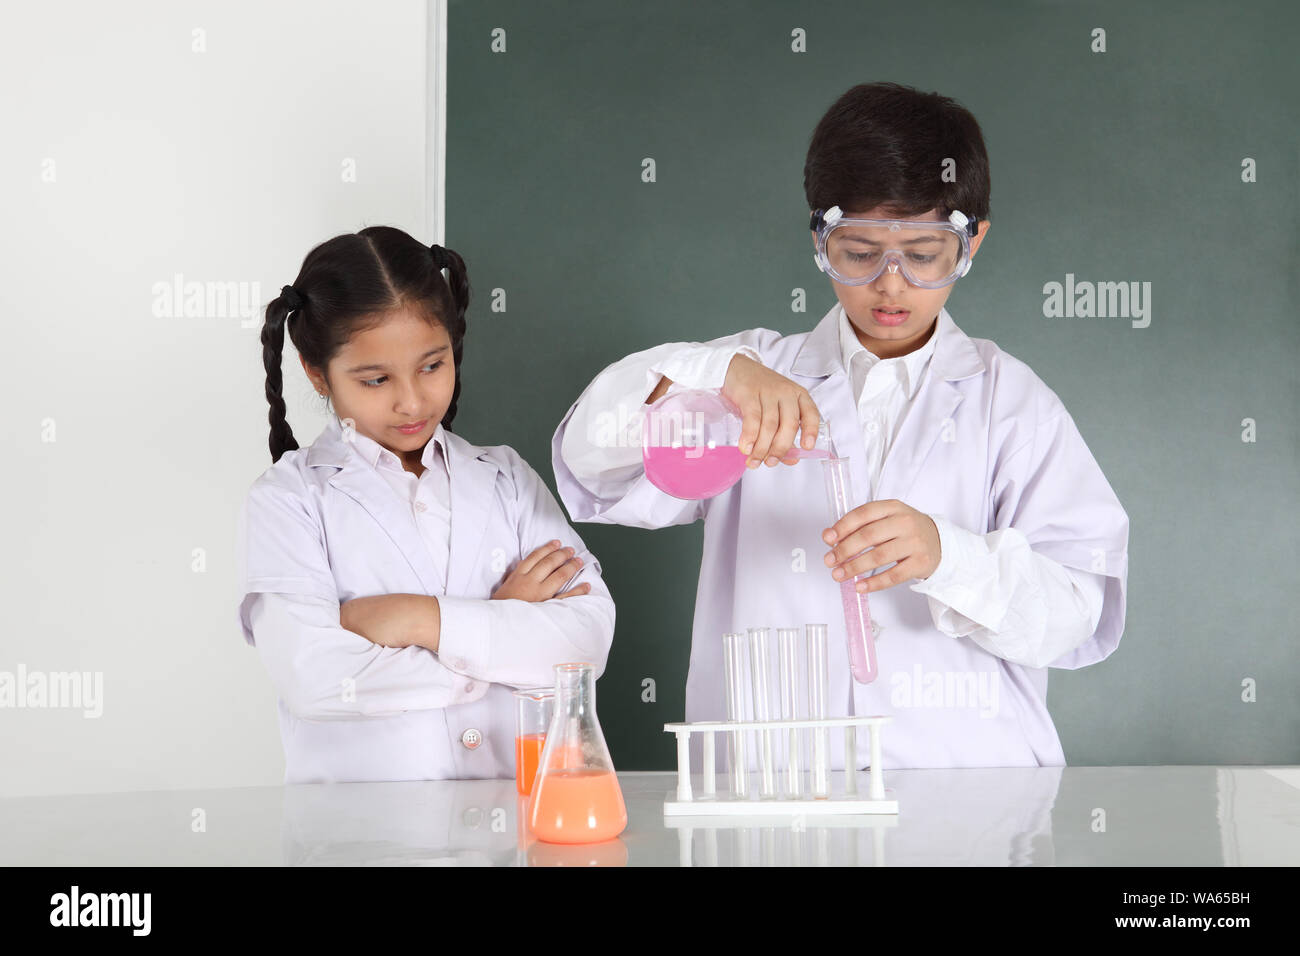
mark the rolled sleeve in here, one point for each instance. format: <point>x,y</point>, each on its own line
<point>960,588</point>
<point>1016,604</point>
<point>702,366</point>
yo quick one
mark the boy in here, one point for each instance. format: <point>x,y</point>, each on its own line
<point>998,547</point>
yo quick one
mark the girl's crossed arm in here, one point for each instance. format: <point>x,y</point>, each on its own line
<point>529,624</point>
<point>403,620</point>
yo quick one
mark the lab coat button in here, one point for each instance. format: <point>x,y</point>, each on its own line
<point>469,687</point>
<point>873,427</point>
<point>471,739</point>
<point>420,506</point>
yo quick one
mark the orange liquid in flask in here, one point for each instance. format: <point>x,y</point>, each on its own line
<point>578,806</point>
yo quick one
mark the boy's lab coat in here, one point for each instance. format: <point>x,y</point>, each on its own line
<point>321,527</point>
<point>987,445</point>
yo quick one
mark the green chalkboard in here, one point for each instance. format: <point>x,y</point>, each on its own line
<point>1169,157</point>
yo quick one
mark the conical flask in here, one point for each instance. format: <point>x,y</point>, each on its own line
<point>576,796</point>
<point>690,443</point>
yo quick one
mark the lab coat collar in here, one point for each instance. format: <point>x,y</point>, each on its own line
<point>821,361</point>
<point>955,356</point>
<point>473,486</point>
<point>374,453</point>
<point>912,364</point>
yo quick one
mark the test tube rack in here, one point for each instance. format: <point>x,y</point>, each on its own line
<point>710,802</point>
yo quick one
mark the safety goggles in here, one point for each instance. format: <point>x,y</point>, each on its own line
<point>930,255</point>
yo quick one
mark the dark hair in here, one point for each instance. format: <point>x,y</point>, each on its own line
<point>344,284</point>
<point>883,144</point>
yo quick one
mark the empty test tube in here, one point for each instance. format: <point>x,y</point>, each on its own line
<point>787,639</point>
<point>860,630</point>
<point>737,758</point>
<point>818,678</point>
<point>759,661</point>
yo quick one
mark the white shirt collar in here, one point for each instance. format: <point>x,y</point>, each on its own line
<point>912,365</point>
<point>378,456</point>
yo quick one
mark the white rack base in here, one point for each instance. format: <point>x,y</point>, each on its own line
<point>732,808</point>
<point>711,803</point>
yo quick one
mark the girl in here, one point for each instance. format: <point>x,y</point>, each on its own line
<point>397,580</point>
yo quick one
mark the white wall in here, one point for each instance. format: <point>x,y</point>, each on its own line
<point>131,156</point>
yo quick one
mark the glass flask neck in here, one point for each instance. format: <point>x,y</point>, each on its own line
<point>575,689</point>
<point>824,437</point>
<point>575,740</point>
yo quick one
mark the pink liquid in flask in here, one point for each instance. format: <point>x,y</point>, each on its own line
<point>690,444</point>
<point>693,473</point>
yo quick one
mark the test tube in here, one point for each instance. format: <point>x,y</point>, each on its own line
<point>787,639</point>
<point>758,672</point>
<point>857,616</point>
<point>817,681</point>
<point>737,759</point>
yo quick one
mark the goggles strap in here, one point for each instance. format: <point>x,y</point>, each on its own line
<point>971,226</point>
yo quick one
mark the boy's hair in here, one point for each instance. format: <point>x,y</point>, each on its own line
<point>882,144</point>
<point>345,285</point>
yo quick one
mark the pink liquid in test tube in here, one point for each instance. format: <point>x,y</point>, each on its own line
<point>857,615</point>
<point>857,622</point>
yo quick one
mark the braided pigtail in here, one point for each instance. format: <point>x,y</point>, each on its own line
<point>277,317</point>
<point>458,283</point>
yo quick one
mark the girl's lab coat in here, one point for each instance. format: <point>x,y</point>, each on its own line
<point>321,527</point>
<point>986,445</point>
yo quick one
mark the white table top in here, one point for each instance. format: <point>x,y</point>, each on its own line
<point>1040,816</point>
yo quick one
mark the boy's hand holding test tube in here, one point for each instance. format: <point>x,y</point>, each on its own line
<point>895,532</point>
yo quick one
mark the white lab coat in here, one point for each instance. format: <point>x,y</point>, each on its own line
<point>986,447</point>
<point>321,527</point>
